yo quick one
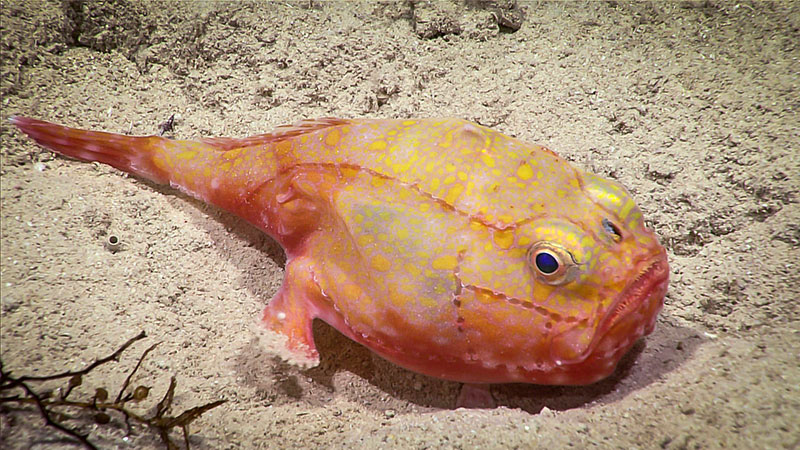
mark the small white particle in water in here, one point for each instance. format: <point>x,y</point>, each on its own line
<point>710,335</point>
<point>527,428</point>
<point>125,438</point>
<point>8,284</point>
<point>281,315</point>
<point>39,166</point>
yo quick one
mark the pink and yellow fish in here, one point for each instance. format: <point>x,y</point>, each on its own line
<point>443,246</point>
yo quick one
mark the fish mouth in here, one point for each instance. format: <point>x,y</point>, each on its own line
<point>632,315</point>
<point>644,295</point>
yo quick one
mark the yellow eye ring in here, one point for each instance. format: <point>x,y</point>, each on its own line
<point>551,263</point>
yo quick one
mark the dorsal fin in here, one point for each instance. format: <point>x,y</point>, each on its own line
<point>280,133</point>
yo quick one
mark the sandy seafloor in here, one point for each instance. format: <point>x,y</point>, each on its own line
<point>692,106</point>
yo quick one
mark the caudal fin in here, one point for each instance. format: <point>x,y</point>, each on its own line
<point>132,154</point>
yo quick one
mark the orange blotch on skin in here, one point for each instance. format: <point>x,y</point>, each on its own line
<point>284,147</point>
<point>160,163</point>
<point>333,137</point>
<point>379,262</point>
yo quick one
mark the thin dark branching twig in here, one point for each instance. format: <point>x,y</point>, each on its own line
<point>44,402</point>
<point>49,421</point>
<point>114,356</point>
<point>130,375</point>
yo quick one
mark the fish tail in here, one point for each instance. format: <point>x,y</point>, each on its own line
<point>132,154</point>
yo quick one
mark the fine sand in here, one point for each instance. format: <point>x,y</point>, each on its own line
<point>692,106</point>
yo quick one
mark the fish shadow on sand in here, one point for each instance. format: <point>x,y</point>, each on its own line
<point>350,370</point>
<point>650,360</point>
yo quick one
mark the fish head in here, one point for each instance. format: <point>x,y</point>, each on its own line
<point>598,273</point>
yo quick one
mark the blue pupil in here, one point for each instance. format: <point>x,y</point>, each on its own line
<point>546,263</point>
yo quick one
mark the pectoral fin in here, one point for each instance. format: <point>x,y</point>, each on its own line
<point>289,315</point>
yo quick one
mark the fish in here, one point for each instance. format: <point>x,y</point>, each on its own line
<point>443,246</point>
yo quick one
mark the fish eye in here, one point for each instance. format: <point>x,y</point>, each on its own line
<point>612,229</point>
<point>546,262</point>
<point>551,263</point>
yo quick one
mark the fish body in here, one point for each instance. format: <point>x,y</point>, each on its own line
<point>444,246</point>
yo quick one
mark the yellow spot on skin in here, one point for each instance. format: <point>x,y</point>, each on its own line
<point>428,301</point>
<point>424,207</point>
<point>504,239</point>
<point>187,154</point>
<point>402,233</point>
<point>517,252</point>
<point>462,176</point>
<point>449,179</point>
<point>207,171</point>
<point>378,182</point>
<point>539,175</point>
<point>379,262</point>
<point>525,172</point>
<point>333,137</point>
<point>524,240</point>
<point>448,139</point>
<point>408,123</point>
<point>365,239</point>
<point>378,145</point>
<point>447,262</point>
<point>488,160</point>
<point>435,183</point>
<point>412,269</point>
<point>225,166</point>
<point>626,209</point>
<point>455,191</point>
<point>352,291</point>
<point>230,154</point>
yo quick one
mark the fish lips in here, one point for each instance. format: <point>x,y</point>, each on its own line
<point>632,315</point>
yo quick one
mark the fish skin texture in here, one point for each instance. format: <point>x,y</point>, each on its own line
<point>444,246</point>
